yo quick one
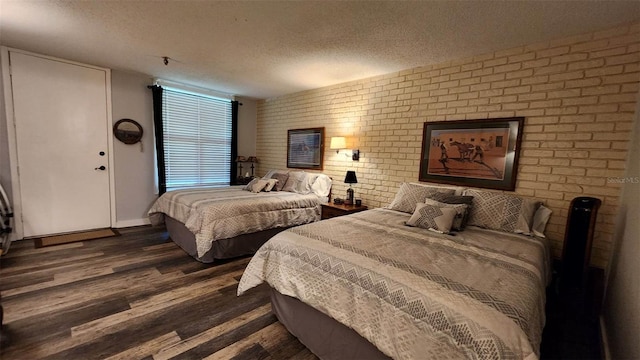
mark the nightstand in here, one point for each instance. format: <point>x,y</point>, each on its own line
<point>331,210</point>
<point>241,180</point>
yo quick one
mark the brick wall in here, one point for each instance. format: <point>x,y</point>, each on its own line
<point>577,95</point>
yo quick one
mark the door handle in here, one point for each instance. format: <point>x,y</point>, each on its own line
<point>101,168</point>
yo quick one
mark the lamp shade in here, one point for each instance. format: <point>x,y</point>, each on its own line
<point>241,159</point>
<point>252,159</point>
<point>351,178</point>
<point>338,143</point>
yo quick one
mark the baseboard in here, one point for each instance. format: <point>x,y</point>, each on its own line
<point>132,222</point>
<point>604,340</point>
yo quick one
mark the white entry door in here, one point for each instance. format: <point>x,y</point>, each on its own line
<point>62,126</point>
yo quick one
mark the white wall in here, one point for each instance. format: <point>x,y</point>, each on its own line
<point>621,312</point>
<point>134,164</point>
<point>247,114</point>
<point>5,167</point>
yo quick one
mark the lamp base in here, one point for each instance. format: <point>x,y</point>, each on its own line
<point>349,199</point>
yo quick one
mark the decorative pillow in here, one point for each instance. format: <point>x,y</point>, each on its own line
<point>434,218</point>
<point>409,195</point>
<point>259,185</point>
<point>499,211</point>
<point>295,181</point>
<point>249,186</point>
<point>457,190</point>
<point>461,211</point>
<point>282,180</point>
<point>540,219</point>
<point>271,183</point>
<point>460,199</point>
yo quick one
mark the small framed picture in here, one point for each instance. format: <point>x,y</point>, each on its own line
<point>305,148</point>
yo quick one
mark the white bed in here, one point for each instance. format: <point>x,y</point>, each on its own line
<point>404,291</point>
<point>217,223</point>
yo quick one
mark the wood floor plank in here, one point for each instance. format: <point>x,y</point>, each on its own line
<point>25,248</point>
<point>228,338</point>
<point>45,264</point>
<point>73,273</point>
<point>20,307</point>
<point>53,326</point>
<point>148,348</point>
<point>271,333</point>
<point>209,334</point>
<point>135,296</point>
<point>66,278</point>
<point>256,352</point>
<point>71,263</point>
<point>152,304</point>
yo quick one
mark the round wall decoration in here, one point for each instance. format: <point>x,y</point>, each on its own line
<point>128,131</point>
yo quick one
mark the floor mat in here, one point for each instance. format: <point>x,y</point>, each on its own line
<point>73,237</point>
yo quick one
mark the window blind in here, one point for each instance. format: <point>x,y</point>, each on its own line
<point>197,134</point>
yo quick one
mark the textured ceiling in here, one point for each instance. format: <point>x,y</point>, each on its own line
<point>264,49</point>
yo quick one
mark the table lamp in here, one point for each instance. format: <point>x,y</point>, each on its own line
<point>350,178</point>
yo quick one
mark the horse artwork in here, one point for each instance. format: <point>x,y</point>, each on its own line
<point>471,152</point>
<point>464,149</point>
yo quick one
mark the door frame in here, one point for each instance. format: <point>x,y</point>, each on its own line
<point>18,232</point>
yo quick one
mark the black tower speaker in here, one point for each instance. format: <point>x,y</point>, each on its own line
<point>577,242</point>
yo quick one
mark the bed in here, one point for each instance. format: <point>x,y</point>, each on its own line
<point>367,285</point>
<point>221,223</point>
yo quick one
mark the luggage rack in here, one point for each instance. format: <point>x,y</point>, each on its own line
<point>6,220</point>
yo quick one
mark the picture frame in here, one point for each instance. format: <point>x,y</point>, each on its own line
<point>305,148</point>
<point>480,153</point>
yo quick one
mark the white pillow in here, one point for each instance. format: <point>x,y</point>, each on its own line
<point>540,219</point>
<point>305,186</point>
<point>269,174</point>
<point>322,186</point>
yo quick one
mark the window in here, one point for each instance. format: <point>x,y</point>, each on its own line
<point>197,137</point>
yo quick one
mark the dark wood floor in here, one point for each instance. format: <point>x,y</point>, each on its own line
<point>139,296</point>
<point>136,296</point>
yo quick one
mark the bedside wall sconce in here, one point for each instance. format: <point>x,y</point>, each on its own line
<point>340,142</point>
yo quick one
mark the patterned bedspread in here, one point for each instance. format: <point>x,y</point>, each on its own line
<point>221,213</point>
<point>414,294</point>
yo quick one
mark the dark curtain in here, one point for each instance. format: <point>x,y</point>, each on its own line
<point>159,133</point>
<point>234,142</point>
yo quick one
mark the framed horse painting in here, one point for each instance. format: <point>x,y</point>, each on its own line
<point>477,153</point>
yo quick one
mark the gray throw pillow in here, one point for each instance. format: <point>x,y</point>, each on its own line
<point>434,218</point>
<point>500,211</point>
<point>409,195</point>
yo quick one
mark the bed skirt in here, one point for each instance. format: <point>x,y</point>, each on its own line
<point>245,244</point>
<point>325,337</point>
